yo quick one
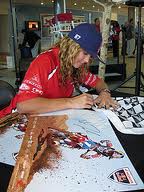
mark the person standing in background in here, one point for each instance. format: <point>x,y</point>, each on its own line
<point>97,24</point>
<point>130,33</point>
<point>115,38</point>
<point>124,39</point>
<point>33,40</point>
<point>136,38</point>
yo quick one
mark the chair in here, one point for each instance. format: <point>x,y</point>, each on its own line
<point>7,92</point>
<point>60,25</point>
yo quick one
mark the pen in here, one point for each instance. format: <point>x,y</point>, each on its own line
<point>80,92</point>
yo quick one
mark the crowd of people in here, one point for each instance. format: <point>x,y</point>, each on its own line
<point>129,42</point>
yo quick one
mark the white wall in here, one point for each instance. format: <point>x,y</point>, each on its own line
<point>4,8</point>
<point>4,26</point>
<point>4,33</point>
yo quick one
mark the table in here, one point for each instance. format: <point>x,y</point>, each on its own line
<point>133,145</point>
<point>5,175</point>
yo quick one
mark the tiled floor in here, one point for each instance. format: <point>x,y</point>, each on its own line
<point>10,76</point>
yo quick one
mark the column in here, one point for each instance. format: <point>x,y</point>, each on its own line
<point>131,13</point>
<point>59,6</point>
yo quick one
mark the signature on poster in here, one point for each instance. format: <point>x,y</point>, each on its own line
<point>91,128</point>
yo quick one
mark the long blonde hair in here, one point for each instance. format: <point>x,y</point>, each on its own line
<point>69,49</point>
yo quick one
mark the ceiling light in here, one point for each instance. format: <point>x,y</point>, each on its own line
<point>119,6</point>
<point>82,7</point>
<point>52,1</point>
<point>75,3</point>
<point>42,3</point>
<point>93,6</point>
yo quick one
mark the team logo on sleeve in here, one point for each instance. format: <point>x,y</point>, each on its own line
<point>34,81</point>
<point>122,176</point>
<point>35,78</point>
<point>34,90</point>
<point>24,87</point>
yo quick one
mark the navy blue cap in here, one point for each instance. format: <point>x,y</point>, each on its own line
<point>87,37</point>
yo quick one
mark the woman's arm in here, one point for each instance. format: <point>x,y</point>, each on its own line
<point>41,105</point>
<point>104,99</point>
<point>100,86</point>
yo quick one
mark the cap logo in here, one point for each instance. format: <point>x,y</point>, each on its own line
<point>77,37</point>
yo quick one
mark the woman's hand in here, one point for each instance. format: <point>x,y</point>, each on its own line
<point>82,101</point>
<point>104,100</point>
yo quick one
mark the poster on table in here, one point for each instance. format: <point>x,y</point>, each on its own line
<point>90,158</point>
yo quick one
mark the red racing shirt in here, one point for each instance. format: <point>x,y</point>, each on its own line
<point>43,80</point>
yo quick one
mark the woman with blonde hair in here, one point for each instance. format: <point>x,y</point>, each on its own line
<point>52,77</point>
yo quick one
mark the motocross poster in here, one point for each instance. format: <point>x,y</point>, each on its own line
<point>86,156</point>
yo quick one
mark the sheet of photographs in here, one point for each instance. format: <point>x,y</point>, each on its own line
<point>131,111</point>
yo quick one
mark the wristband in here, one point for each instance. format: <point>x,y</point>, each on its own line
<point>106,90</point>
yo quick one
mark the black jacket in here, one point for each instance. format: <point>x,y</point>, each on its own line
<point>31,38</point>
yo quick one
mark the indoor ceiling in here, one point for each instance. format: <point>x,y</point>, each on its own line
<point>71,4</point>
